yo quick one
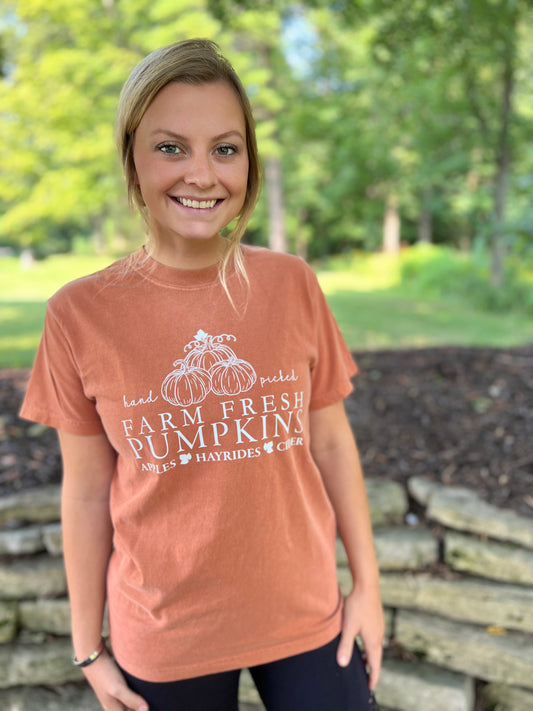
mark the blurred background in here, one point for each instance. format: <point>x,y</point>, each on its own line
<point>396,138</point>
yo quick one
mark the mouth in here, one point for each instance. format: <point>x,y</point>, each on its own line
<point>196,204</point>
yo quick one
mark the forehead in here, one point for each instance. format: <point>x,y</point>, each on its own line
<point>211,106</point>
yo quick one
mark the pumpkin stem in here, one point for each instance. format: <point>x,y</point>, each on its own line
<point>183,366</point>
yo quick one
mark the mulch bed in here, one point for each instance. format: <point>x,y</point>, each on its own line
<point>460,416</point>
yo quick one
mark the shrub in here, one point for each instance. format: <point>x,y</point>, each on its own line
<point>429,271</point>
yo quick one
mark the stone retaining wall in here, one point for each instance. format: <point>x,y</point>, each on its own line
<point>456,581</point>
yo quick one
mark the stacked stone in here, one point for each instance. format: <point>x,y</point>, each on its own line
<point>456,582</point>
<point>458,591</point>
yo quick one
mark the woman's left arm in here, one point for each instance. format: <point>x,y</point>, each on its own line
<point>335,452</point>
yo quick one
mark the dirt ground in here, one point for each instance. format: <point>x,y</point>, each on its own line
<point>461,416</point>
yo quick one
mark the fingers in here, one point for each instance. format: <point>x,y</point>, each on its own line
<point>345,650</point>
<point>124,701</point>
<point>374,655</point>
<point>132,701</point>
<point>122,698</point>
<point>367,622</point>
<point>110,687</point>
<point>349,630</point>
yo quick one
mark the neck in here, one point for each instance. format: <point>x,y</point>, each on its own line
<point>188,255</point>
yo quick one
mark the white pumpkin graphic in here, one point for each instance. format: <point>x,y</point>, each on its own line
<point>209,365</point>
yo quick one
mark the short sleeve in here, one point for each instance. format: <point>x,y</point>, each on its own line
<point>55,395</point>
<point>334,367</point>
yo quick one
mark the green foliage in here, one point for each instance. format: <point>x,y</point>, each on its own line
<point>394,98</point>
<point>58,108</point>
<point>441,273</point>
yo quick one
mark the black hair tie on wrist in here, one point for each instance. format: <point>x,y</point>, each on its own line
<point>92,657</point>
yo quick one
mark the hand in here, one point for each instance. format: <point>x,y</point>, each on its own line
<point>363,616</point>
<point>110,686</point>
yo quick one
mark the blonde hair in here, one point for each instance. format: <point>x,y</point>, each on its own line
<point>195,61</point>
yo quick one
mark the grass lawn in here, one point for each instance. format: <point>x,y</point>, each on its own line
<point>23,296</point>
<point>372,310</point>
<point>376,313</point>
<point>385,320</point>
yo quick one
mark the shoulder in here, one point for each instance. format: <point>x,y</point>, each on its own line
<point>276,265</point>
<point>87,288</point>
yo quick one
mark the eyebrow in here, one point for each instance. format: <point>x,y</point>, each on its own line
<point>179,137</point>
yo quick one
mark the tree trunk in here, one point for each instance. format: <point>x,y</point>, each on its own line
<point>274,190</point>
<point>425,226</point>
<point>391,226</point>
<point>425,219</point>
<point>503,163</point>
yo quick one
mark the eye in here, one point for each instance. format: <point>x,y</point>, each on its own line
<point>226,150</point>
<point>169,149</point>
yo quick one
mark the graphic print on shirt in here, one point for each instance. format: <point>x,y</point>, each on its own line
<point>210,365</point>
<point>216,414</point>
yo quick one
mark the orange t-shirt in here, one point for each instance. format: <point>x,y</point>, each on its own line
<point>224,537</point>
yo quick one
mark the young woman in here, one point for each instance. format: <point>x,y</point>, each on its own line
<point>197,388</point>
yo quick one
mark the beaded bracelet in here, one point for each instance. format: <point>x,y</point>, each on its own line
<point>92,657</point>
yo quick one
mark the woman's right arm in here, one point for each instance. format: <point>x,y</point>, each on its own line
<point>88,467</point>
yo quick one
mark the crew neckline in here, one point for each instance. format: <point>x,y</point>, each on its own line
<point>176,277</point>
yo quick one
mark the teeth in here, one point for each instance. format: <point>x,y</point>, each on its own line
<point>197,204</point>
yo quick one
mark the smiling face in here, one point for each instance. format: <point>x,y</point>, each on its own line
<point>191,164</point>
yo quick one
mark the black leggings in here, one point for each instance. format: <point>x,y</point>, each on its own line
<point>312,681</point>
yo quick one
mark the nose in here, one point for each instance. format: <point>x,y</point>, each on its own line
<point>200,171</point>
